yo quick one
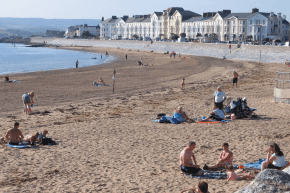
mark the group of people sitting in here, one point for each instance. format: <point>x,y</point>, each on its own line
<point>275,160</point>
<point>14,137</point>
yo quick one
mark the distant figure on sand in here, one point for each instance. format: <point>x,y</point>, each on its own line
<point>219,97</point>
<point>187,159</point>
<point>183,84</point>
<point>126,57</point>
<point>13,135</point>
<point>7,79</point>
<point>201,188</point>
<point>101,82</point>
<point>233,176</point>
<point>276,160</point>
<point>107,53</point>
<point>179,55</point>
<point>180,115</point>
<point>27,101</point>
<point>225,159</point>
<point>235,78</point>
<point>77,64</point>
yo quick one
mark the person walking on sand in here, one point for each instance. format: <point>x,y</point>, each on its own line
<point>225,159</point>
<point>187,159</point>
<point>235,78</point>
<point>183,84</point>
<point>14,134</point>
<point>219,97</point>
<point>126,57</point>
<point>77,64</point>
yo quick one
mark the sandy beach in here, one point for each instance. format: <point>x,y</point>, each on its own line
<point>108,143</point>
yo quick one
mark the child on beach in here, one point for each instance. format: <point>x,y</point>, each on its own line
<point>233,176</point>
<point>202,188</point>
<point>183,84</point>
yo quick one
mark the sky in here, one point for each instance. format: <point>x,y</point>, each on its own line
<point>95,9</point>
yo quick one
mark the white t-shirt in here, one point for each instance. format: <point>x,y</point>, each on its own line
<point>280,161</point>
<point>219,113</point>
<point>219,96</point>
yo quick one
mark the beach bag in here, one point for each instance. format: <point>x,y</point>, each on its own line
<point>46,141</point>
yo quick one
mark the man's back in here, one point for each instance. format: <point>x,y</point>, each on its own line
<point>14,134</point>
<point>185,156</point>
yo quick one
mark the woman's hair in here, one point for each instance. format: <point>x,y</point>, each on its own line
<point>203,187</point>
<point>31,93</point>
<point>277,149</point>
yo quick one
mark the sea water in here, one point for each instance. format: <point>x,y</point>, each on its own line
<point>20,58</point>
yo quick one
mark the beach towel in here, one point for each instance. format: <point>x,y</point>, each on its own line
<point>167,119</point>
<point>209,175</point>
<point>256,165</point>
<point>18,146</point>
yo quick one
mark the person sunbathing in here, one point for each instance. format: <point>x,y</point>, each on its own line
<point>42,136</point>
<point>33,139</point>
<point>180,115</point>
<point>225,159</point>
<point>233,176</point>
<point>13,135</point>
<point>276,160</point>
<point>101,82</point>
<point>201,188</point>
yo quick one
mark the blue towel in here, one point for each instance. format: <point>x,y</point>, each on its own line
<point>256,165</point>
<point>225,121</point>
<point>209,175</point>
<point>167,119</point>
<point>18,146</point>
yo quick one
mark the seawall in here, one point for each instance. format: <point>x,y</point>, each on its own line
<point>269,54</point>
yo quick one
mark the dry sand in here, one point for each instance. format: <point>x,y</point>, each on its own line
<point>108,143</point>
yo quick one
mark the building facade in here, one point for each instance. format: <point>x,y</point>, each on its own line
<point>211,26</point>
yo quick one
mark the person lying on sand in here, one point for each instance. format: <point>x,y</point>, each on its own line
<point>101,82</point>
<point>225,159</point>
<point>233,176</point>
<point>180,115</point>
<point>13,135</point>
<point>31,139</point>
<point>201,188</point>
<point>187,159</point>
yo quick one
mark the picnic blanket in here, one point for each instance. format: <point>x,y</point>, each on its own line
<point>209,175</point>
<point>256,165</point>
<point>167,119</point>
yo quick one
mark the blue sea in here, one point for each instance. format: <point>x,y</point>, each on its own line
<point>21,59</point>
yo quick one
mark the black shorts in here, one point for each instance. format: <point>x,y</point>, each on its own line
<point>189,170</point>
<point>11,143</point>
<point>235,80</point>
<point>273,167</point>
<point>219,105</point>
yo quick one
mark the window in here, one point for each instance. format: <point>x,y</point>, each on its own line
<point>234,22</point>
<point>271,22</point>
<point>244,22</point>
<point>258,29</point>
<point>240,22</point>
<point>233,30</point>
<point>228,29</point>
<point>243,29</point>
<point>218,29</point>
<point>228,22</point>
<point>279,22</point>
<point>250,22</point>
<point>198,30</point>
<point>225,29</point>
<point>257,22</point>
<point>264,22</point>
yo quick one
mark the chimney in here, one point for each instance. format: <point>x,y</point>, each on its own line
<point>114,17</point>
<point>284,16</point>
<point>102,18</point>
<point>271,14</point>
<point>125,17</point>
<point>255,10</point>
<point>227,11</point>
<point>279,15</point>
<point>204,14</point>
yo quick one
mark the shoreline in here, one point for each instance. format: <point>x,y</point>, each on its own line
<point>108,143</point>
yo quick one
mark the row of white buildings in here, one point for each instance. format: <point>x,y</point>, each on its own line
<point>222,25</point>
<point>78,30</point>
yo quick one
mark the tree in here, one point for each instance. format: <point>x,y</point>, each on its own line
<point>183,35</point>
<point>198,35</point>
<point>174,36</point>
<point>135,36</point>
<point>249,38</point>
<point>86,34</point>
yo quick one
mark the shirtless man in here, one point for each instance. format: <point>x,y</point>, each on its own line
<point>14,134</point>
<point>225,159</point>
<point>235,78</point>
<point>187,159</point>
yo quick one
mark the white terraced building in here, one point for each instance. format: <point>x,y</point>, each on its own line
<point>221,25</point>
